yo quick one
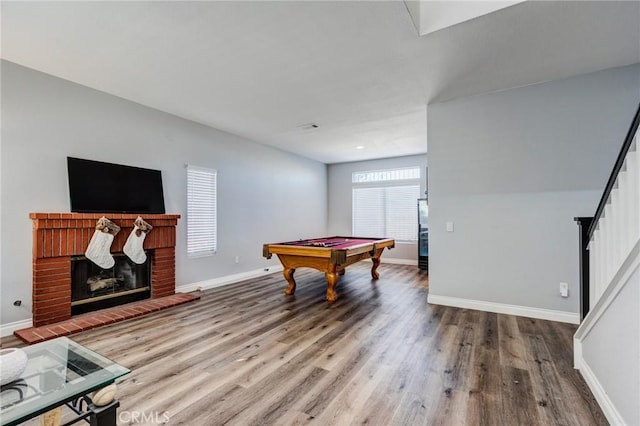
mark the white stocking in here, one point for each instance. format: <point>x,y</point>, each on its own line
<point>99,247</point>
<point>133,247</point>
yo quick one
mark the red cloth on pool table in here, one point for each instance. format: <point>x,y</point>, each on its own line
<point>335,242</point>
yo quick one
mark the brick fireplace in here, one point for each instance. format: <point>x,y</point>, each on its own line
<point>58,237</point>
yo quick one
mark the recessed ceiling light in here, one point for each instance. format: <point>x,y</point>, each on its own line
<point>308,126</point>
<point>359,147</point>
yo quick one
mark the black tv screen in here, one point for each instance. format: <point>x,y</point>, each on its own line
<point>97,187</point>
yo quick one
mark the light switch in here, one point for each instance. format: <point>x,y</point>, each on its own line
<point>449,226</point>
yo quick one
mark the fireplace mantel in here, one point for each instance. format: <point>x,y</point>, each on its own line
<point>57,237</point>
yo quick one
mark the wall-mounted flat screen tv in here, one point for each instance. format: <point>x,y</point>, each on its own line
<point>97,187</point>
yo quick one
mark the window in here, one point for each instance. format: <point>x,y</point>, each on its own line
<point>201,211</point>
<point>385,203</point>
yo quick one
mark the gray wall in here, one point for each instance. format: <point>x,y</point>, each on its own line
<point>511,169</point>
<point>340,197</point>
<point>264,194</point>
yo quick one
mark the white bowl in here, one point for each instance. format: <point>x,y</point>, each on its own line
<point>13,361</point>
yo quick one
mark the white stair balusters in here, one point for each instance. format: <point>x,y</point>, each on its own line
<point>618,228</point>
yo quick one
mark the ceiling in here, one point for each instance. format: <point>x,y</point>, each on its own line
<point>431,16</point>
<point>359,70</point>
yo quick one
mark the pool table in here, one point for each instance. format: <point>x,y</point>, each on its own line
<point>330,255</point>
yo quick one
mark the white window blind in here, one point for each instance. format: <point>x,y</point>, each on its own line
<point>385,203</point>
<point>201,211</point>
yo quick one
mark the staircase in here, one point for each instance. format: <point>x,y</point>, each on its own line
<point>606,345</point>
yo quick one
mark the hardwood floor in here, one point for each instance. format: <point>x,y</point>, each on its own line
<point>246,354</point>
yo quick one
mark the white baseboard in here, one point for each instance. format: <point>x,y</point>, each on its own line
<point>607,406</point>
<point>503,308</point>
<point>8,329</point>
<point>227,279</point>
<point>395,261</point>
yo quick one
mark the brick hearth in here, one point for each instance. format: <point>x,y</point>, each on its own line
<point>59,236</point>
<point>102,317</point>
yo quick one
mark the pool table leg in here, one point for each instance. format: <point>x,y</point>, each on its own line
<point>288,275</point>
<point>332,280</point>
<point>376,262</point>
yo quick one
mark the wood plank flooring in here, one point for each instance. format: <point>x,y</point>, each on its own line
<point>246,354</point>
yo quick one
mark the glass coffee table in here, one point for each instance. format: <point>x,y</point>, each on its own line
<point>59,372</point>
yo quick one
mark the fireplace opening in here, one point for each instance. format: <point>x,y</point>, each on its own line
<point>94,288</point>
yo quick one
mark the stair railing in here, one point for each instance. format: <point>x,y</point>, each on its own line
<point>615,228</point>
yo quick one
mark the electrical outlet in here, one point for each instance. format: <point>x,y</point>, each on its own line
<point>237,259</point>
<point>449,226</point>
<point>564,289</point>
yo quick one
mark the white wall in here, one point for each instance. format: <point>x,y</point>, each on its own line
<point>610,350</point>
<point>339,187</point>
<point>264,195</point>
<point>511,170</point>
